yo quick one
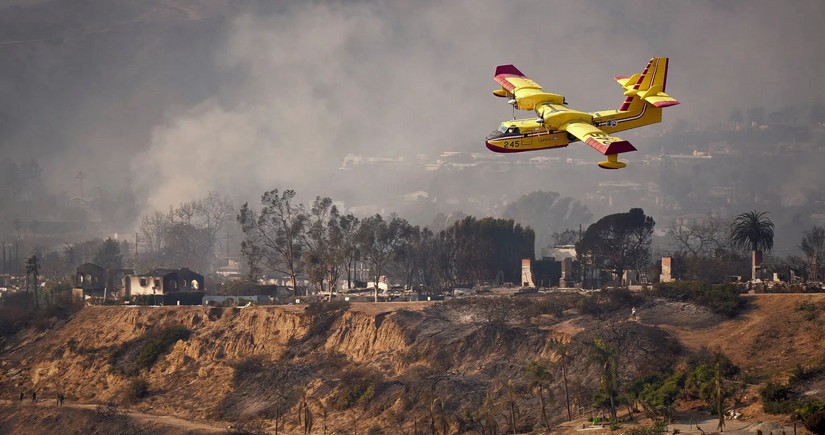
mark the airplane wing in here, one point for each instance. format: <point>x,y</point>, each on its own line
<point>526,92</point>
<point>511,79</point>
<point>599,140</point>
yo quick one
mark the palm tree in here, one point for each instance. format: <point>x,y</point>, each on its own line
<point>488,413</point>
<point>752,230</point>
<point>437,415</point>
<point>562,349</point>
<point>511,400</point>
<point>541,377</point>
<point>717,378</point>
<point>304,413</point>
<point>607,358</point>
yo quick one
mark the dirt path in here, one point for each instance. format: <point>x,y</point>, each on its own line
<point>137,416</point>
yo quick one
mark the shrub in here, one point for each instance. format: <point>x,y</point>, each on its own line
<point>553,307</point>
<point>12,320</point>
<point>656,429</point>
<point>808,408</point>
<point>803,374</point>
<point>608,301</point>
<point>135,390</point>
<point>816,423</point>
<point>246,366</point>
<point>357,387</point>
<point>721,299</point>
<point>161,343</point>
<point>810,312</point>
<point>778,399</point>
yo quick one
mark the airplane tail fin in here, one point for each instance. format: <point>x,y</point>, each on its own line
<point>648,87</point>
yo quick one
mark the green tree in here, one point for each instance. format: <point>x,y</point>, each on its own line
<point>474,250</point>
<point>712,378</point>
<point>755,231</point>
<point>378,241</point>
<point>108,256</point>
<point>274,236</point>
<point>617,242</point>
<point>659,396</point>
<point>813,245</point>
<point>411,257</point>
<point>328,240</point>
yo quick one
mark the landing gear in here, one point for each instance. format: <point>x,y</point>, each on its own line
<point>612,162</point>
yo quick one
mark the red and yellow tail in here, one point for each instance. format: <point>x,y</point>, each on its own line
<point>647,87</point>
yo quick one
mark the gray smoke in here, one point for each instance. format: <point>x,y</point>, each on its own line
<point>175,99</point>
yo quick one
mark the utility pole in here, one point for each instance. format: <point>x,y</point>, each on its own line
<point>33,268</point>
<point>80,176</point>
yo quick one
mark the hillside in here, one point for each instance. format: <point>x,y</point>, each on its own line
<point>391,367</point>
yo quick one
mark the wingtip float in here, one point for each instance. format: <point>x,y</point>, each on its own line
<point>556,125</point>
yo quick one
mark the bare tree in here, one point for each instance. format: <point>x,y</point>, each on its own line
<point>702,237</point>
<point>196,226</point>
<point>154,230</point>
<point>186,235</point>
<point>813,245</point>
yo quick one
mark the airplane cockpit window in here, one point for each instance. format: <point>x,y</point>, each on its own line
<point>504,131</point>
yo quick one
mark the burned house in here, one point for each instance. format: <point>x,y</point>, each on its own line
<point>93,281</point>
<point>169,285</point>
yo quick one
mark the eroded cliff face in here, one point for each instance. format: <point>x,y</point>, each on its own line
<point>81,357</point>
<point>381,364</point>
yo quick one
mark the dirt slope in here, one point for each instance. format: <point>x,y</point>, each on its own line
<point>770,338</point>
<point>388,367</point>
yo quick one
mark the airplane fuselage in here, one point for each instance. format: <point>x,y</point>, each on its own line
<point>528,134</point>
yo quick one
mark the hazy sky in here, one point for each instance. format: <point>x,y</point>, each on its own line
<point>177,101</point>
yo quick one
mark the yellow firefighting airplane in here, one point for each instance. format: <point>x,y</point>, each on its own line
<point>557,126</point>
